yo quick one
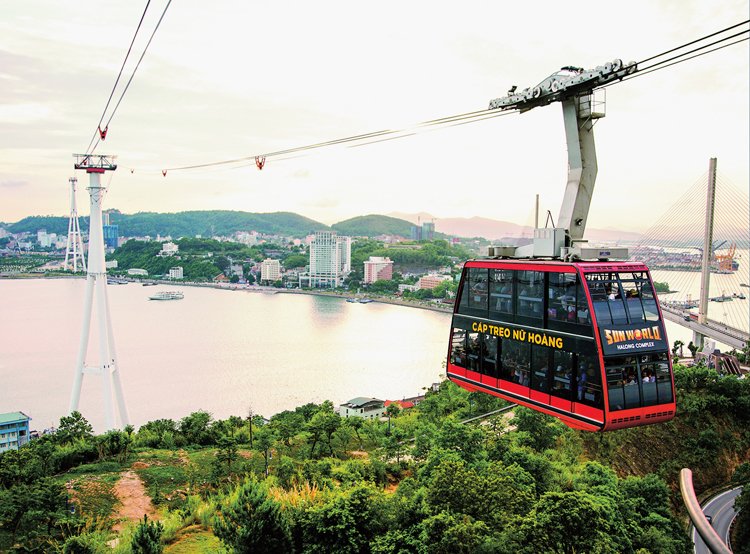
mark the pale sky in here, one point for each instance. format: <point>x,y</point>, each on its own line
<point>228,79</point>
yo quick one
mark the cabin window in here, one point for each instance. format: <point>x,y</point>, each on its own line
<point>458,347</point>
<point>473,351</point>
<point>562,297</point>
<point>635,381</point>
<point>530,299</point>
<point>589,381</point>
<point>474,292</point>
<point>622,298</point>
<point>501,292</point>
<point>540,368</point>
<point>489,355</point>
<point>562,374</point>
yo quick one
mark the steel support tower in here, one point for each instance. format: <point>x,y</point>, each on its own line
<point>96,289</point>
<point>74,249</point>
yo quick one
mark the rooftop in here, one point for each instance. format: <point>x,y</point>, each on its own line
<point>12,417</point>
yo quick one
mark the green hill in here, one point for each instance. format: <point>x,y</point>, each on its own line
<point>373,225</point>
<point>187,224</point>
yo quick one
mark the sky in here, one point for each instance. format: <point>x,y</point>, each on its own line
<point>229,79</point>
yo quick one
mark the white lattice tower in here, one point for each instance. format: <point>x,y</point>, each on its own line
<point>74,250</point>
<point>96,289</point>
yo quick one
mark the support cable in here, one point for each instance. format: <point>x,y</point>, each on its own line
<point>111,94</point>
<point>127,85</point>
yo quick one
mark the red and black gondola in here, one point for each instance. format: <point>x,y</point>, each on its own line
<point>582,341</point>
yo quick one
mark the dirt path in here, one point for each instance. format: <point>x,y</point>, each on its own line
<point>134,502</point>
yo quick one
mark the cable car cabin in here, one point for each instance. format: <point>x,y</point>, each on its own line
<point>581,341</point>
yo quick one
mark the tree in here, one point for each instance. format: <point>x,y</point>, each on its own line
<point>227,453</point>
<point>264,440</point>
<point>250,521</point>
<point>194,428</point>
<point>392,410</point>
<point>147,537</point>
<point>542,430</point>
<point>570,522</point>
<point>72,428</point>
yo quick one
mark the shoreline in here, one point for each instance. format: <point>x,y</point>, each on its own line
<point>420,304</point>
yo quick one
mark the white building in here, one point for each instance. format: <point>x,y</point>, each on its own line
<point>378,269</point>
<point>330,260</point>
<point>366,408</point>
<point>175,272</point>
<point>168,249</point>
<point>135,271</point>
<point>270,270</point>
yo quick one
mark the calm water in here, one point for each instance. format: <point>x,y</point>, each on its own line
<point>216,350</point>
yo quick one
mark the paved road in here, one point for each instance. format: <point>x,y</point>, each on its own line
<point>721,510</point>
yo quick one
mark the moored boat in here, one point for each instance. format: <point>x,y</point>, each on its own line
<point>167,295</point>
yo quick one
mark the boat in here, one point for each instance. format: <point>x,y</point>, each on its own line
<point>168,295</point>
<point>352,300</point>
<point>113,281</point>
<point>365,300</point>
<point>149,284</point>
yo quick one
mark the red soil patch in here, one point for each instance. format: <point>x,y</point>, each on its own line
<point>134,502</point>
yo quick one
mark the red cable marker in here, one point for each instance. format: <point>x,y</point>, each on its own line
<point>164,172</point>
<point>260,161</point>
<point>103,134</point>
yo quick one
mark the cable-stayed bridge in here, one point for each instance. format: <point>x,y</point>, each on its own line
<point>700,247</point>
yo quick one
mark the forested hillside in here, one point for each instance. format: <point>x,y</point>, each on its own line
<point>373,225</point>
<point>420,481</point>
<point>185,224</point>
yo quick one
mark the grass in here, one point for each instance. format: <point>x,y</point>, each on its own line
<point>195,540</point>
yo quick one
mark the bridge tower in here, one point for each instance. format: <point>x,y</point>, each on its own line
<point>708,240</point>
<point>74,249</point>
<point>96,288</point>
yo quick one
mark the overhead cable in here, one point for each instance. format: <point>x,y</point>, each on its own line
<point>111,94</point>
<point>127,85</point>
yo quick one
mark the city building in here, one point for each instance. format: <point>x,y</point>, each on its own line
<point>428,230</point>
<point>236,269</point>
<point>110,232</point>
<point>137,272</point>
<point>366,408</point>
<point>270,270</point>
<point>378,269</point>
<point>175,272</point>
<point>168,249</point>
<point>432,280</point>
<point>14,430</point>
<point>416,232</point>
<point>330,260</point>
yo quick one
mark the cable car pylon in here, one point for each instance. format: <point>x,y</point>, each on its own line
<point>96,288</point>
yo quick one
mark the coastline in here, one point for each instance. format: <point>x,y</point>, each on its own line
<point>421,304</point>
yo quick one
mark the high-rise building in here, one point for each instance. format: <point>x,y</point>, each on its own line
<point>416,232</point>
<point>378,269</point>
<point>110,233</point>
<point>330,260</point>
<point>428,230</point>
<point>270,270</point>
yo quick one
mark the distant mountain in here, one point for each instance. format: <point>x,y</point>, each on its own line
<point>494,229</point>
<point>373,225</point>
<point>184,224</point>
<point>225,222</point>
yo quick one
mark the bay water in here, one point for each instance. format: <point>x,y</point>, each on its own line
<point>221,351</point>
